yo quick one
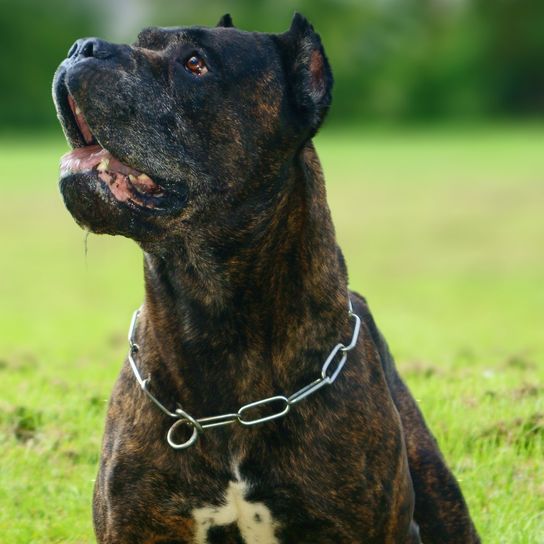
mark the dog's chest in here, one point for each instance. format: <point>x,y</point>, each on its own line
<point>253,519</point>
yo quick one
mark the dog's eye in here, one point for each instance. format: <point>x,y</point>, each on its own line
<point>196,65</point>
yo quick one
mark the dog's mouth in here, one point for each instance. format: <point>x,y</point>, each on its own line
<point>125,183</point>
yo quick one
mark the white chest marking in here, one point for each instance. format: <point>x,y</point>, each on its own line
<point>253,518</point>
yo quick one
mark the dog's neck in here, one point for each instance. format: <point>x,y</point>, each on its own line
<point>272,303</point>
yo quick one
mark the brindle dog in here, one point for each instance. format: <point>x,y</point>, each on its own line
<point>197,143</point>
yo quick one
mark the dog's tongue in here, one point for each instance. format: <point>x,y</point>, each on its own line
<point>91,156</point>
<point>119,177</point>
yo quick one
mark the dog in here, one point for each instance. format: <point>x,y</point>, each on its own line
<point>259,402</point>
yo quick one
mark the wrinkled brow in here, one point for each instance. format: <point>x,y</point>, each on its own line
<point>160,38</point>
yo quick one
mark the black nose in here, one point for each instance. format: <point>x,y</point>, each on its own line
<point>91,47</point>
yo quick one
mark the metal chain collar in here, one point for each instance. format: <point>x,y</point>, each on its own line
<point>329,372</point>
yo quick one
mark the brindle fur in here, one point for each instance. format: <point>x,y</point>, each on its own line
<point>246,294</point>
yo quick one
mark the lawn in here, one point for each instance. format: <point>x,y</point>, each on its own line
<point>443,231</point>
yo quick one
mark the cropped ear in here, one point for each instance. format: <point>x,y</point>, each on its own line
<point>308,71</point>
<point>226,21</point>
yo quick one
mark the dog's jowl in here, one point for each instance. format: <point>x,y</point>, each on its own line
<point>259,402</point>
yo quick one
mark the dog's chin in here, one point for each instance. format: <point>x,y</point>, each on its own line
<point>93,206</point>
<point>97,207</point>
<point>107,196</point>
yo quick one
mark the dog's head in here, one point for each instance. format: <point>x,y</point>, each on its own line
<point>184,123</point>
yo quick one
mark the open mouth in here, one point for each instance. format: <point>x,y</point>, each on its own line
<point>125,183</point>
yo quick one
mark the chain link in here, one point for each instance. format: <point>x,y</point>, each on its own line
<point>330,370</point>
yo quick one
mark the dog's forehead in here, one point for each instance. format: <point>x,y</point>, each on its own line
<point>218,38</point>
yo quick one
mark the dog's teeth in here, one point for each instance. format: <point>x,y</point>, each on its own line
<point>105,176</point>
<point>78,110</point>
<point>132,178</point>
<point>143,178</point>
<point>103,166</point>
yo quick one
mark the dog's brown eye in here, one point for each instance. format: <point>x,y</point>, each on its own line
<point>196,65</point>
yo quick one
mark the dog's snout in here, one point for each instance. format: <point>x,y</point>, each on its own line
<point>91,47</point>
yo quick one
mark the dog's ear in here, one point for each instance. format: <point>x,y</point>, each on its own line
<point>308,71</point>
<point>226,21</point>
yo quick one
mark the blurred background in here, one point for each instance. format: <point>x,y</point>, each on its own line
<point>394,60</point>
<point>434,158</point>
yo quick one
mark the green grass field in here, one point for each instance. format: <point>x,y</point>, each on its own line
<point>443,231</point>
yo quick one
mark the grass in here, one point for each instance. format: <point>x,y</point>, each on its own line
<point>443,231</point>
